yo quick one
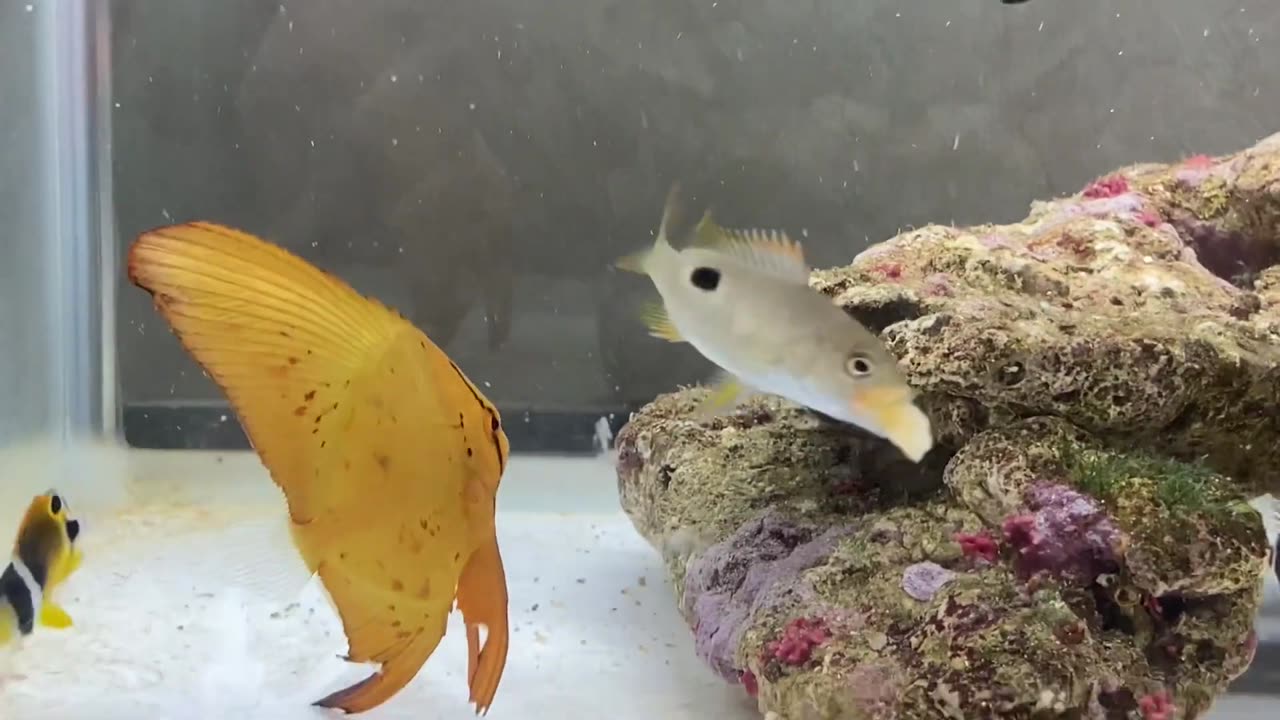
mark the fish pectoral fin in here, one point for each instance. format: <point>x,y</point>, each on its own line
<point>769,251</point>
<point>53,616</point>
<point>654,316</point>
<point>727,392</point>
<point>482,599</point>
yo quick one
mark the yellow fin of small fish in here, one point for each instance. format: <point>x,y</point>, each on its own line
<point>654,316</point>
<point>389,457</point>
<point>727,392</point>
<point>54,616</point>
<point>770,251</point>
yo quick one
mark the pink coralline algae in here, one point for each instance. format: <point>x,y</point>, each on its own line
<point>923,580</point>
<point>799,638</point>
<point>1065,533</point>
<point>1198,162</point>
<point>888,270</point>
<point>938,285</point>
<point>1150,219</point>
<point>1107,187</point>
<point>750,683</point>
<point>758,568</point>
<point>1156,706</point>
<point>978,546</point>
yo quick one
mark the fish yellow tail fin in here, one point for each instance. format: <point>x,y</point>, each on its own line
<point>376,438</point>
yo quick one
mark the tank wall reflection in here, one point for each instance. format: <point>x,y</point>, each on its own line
<point>479,165</point>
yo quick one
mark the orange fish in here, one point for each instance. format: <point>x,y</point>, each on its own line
<point>388,455</point>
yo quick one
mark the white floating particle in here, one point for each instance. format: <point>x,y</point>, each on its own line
<point>1041,28</point>
<point>471,106</point>
<point>313,143</point>
<point>165,214</point>
<point>395,78</point>
<point>290,26</point>
<point>955,142</point>
<point>394,142</point>
<point>31,8</point>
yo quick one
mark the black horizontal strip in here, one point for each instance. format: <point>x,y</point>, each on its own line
<point>212,426</point>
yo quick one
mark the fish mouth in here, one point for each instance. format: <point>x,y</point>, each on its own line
<point>897,419</point>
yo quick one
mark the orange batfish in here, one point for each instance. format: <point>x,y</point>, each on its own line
<point>388,455</point>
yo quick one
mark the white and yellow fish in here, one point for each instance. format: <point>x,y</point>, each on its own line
<point>743,299</point>
<point>44,556</point>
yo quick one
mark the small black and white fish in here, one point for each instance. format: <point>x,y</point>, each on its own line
<point>44,556</point>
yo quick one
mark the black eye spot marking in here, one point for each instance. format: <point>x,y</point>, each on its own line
<point>705,278</point>
<point>55,504</point>
<point>493,423</point>
<point>73,529</point>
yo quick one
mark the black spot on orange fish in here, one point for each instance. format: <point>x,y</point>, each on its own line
<point>293,360</point>
<point>397,586</point>
<point>469,453</point>
<point>300,410</point>
<point>383,461</point>
<point>311,395</point>
<point>424,592</point>
<point>402,634</point>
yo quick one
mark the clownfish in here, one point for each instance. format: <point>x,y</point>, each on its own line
<point>44,556</point>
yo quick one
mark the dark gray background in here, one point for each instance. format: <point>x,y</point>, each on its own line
<point>433,152</point>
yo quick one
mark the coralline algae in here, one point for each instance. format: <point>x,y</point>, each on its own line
<point>758,568</point>
<point>1138,318</point>
<point>1065,533</point>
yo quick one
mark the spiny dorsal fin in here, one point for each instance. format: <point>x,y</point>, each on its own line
<point>769,251</point>
<point>654,316</point>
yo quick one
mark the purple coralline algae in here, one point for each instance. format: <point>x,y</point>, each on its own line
<point>1065,533</point>
<point>755,569</point>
